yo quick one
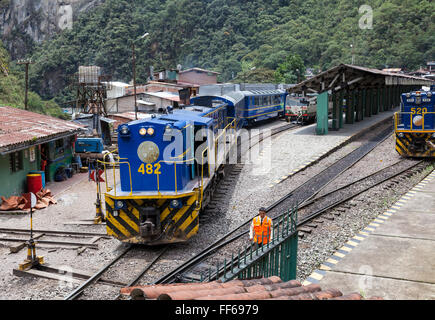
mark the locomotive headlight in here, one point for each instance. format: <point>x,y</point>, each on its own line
<point>175,204</point>
<point>429,94</point>
<point>143,131</point>
<point>408,95</point>
<point>150,131</point>
<point>401,135</point>
<point>119,205</point>
<point>125,130</point>
<point>417,121</point>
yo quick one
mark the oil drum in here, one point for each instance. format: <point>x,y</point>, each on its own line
<point>34,183</point>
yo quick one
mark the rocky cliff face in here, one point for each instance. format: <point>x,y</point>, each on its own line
<point>24,23</point>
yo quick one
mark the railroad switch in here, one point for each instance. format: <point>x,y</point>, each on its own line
<point>99,217</point>
<point>32,260</point>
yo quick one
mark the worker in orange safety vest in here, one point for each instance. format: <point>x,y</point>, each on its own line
<point>261,230</point>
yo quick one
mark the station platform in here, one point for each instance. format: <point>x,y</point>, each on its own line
<point>298,149</point>
<point>394,257</point>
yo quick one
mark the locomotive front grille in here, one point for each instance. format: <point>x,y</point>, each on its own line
<point>415,145</point>
<point>153,221</point>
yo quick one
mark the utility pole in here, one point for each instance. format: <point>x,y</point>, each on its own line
<point>134,80</point>
<point>134,71</point>
<point>26,63</point>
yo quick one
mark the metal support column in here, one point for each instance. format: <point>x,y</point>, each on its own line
<point>374,102</point>
<point>378,100</point>
<point>335,111</point>
<point>389,98</point>
<point>360,105</point>
<point>366,103</point>
<point>349,112</point>
<point>322,113</point>
<point>340,108</point>
<point>356,105</point>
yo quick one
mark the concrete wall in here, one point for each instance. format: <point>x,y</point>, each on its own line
<point>15,183</point>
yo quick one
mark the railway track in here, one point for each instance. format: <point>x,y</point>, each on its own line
<point>113,264</point>
<point>306,195</point>
<point>313,206</point>
<point>198,267</point>
<point>231,173</point>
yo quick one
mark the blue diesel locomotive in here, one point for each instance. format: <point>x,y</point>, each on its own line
<point>169,166</point>
<point>415,124</point>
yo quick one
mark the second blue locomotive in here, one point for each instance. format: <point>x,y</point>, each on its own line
<point>415,124</point>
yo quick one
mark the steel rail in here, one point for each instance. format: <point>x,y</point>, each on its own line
<point>98,274</point>
<point>145,270</point>
<point>308,218</point>
<point>364,149</point>
<point>55,232</point>
<point>77,292</point>
<point>314,199</point>
<point>170,277</point>
<point>351,166</point>
<point>313,215</point>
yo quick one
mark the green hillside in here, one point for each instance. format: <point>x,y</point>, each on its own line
<point>12,85</point>
<point>233,37</point>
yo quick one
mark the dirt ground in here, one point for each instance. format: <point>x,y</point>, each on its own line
<point>76,202</point>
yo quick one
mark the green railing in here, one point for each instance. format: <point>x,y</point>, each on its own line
<point>276,258</point>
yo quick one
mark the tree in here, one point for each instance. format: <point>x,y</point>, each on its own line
<point>290,71</point>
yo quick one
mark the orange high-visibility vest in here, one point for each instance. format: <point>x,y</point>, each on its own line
<point>262,231</point>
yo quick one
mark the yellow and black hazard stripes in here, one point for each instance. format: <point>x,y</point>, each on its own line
<point>415,145</point>
<point>181,224</point>
<point>174,224</point>
<point>122,224</point>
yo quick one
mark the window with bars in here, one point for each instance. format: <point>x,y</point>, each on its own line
<point>16,161</point>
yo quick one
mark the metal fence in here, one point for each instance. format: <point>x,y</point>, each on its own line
<point>277,258</point>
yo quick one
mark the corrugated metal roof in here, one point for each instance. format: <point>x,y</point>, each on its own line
<point>19,127</point>
<point>386,78</point>
<point>164,95</point>
<point>199,70</point>
<point>272,288</point>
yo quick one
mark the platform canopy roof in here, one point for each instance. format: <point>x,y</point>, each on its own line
<point>351,77</point>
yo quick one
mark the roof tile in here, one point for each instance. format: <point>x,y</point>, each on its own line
<point>257,289</point>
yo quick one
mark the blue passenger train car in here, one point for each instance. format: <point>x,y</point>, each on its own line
<point>415,124</point>
<point>252,103</point>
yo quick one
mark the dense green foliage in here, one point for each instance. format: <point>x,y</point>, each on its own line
<point>228,35</point>
<point>12,90</point>
<point>291,70</point>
